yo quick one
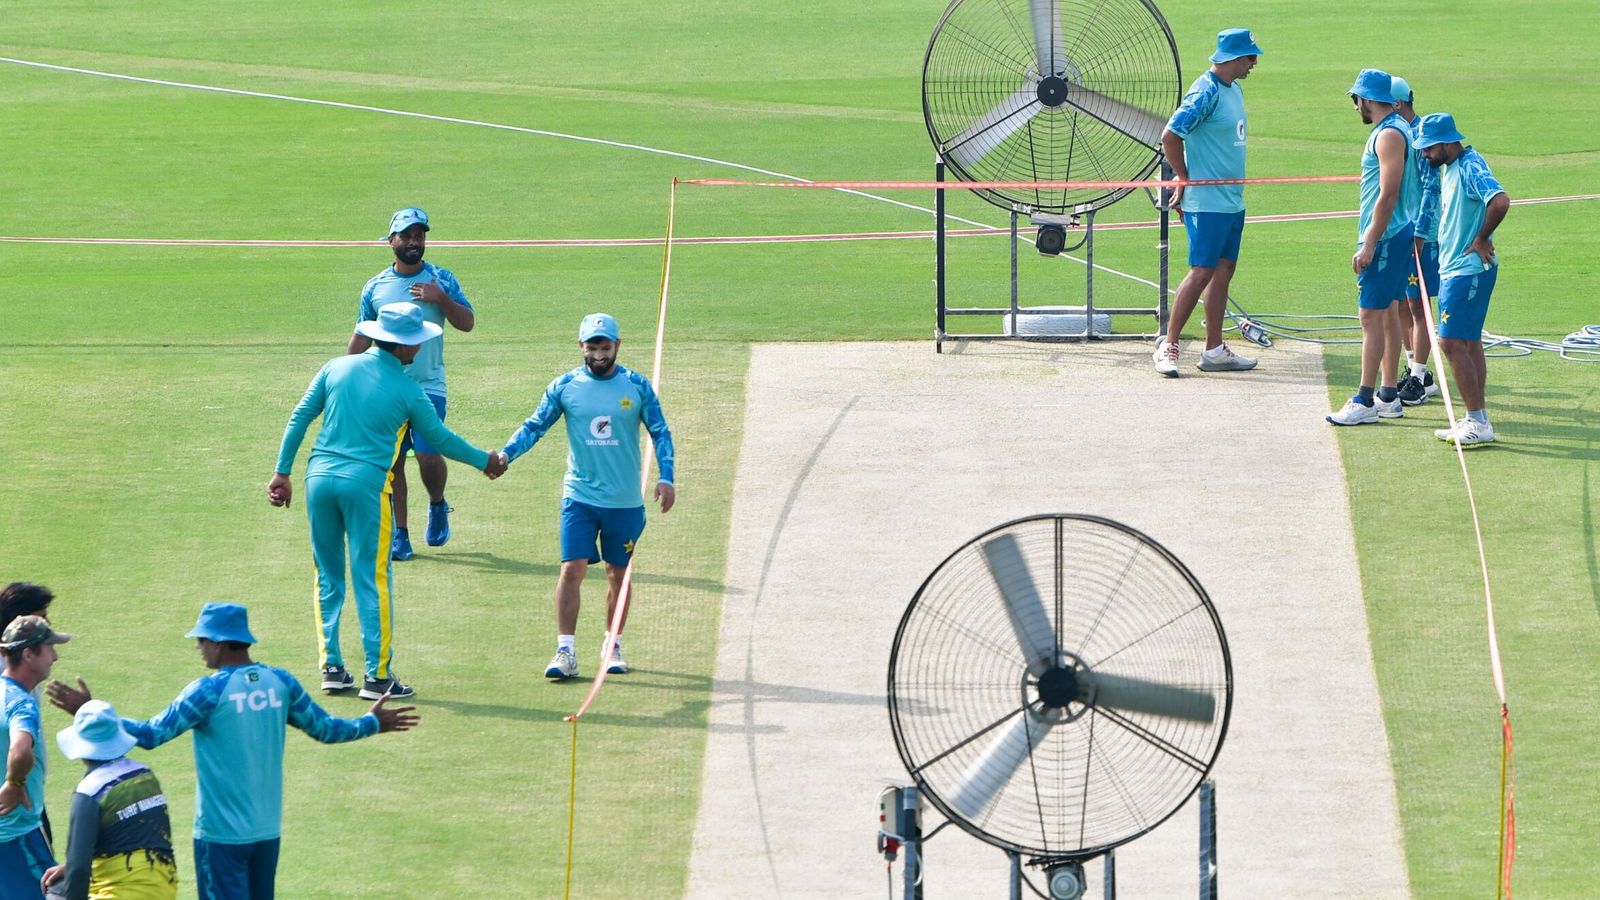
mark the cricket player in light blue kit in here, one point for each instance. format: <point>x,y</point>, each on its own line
<point>1472,205</point>
<point>239,718</point>
<point>29,645</point>
<point>1205,139</point>
<point>367,404</point>
<point>601,499</point>
<point>410,280</point>
<point>1391,194</point>
<point>1416,384</point>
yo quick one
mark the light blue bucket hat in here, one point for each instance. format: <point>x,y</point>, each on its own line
<point>223,622</point>
<point>1375,85</point>
<point>1436,128</point>
<point>1233,43</point>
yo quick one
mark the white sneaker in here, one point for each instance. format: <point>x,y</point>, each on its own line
<point>1393,409</point>
<point>1166,358</point>
<point>1226,361</point>
<point>616,665</point>
<point>1354,412</point>
<point>1467,432</point>
<point>563,665</point>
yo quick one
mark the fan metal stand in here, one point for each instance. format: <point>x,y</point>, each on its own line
<point>1082,218</point>
<point>1063,876</point>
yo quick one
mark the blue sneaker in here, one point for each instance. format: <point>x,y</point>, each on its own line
<point>438,524</point>
<point>400,545</point>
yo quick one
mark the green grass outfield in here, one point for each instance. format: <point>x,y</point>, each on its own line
<point>143,389</point>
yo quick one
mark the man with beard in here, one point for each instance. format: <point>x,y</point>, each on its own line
<point>410,280</point>
<point>602,506</point>
<point>1391,194</point>
<point>1472,206</point>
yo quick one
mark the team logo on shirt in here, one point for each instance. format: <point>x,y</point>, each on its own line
<point>626,403</point>
<point>1238,129</point>
<point>601,433</point>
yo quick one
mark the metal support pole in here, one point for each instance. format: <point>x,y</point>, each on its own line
<point>1166,216</point>
<point>1012,318</point>
<point>938,255</point>
<point>1016,875</point>
<point>1088,283</point>
<point>1208,840</point>
<point>911,830</point>
<point>1110,886</point>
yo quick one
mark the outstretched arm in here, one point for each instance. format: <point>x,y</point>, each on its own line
<point>548,411</point>
<point>306,715</point>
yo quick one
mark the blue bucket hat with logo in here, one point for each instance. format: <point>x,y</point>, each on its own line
<point>1436,128</point>
<point>223,622</point>
<point>1233,43</point>
<point>1375,85</point>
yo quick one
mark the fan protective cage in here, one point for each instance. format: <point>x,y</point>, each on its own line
<point>986,52</point>
<point>1119,603</point>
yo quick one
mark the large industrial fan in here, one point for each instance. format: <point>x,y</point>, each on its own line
<point>1059,686</point>
<point>1028,91</point>
<point>1050,90</point>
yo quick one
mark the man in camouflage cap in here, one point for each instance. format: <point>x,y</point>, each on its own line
<point>29,644</point>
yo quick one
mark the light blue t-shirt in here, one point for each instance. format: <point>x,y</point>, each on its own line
<point>1465,188</point>
<point>365,400</point>
<point>1211,121</point>
<point>389,287</point>
<point>238,717</point>
<point>1410,199</point>
<point>603,417</point>
<point>1427,225</point>
<point>22,715</point>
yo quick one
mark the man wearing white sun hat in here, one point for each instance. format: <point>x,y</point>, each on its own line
<point>119,843</point>
<point>367,404</point>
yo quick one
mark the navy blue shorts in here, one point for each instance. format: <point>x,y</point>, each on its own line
<point>235,871</point>
<point>1464,303</point>
<point>22,863</point>
<point>615,529</point>
<point>421,446</point>
<point>1213,236</point>
<point>1430,273</point>
<point>1383,281</point>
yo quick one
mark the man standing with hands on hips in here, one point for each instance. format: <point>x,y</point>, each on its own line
<point>1205,139</point>
<point>602,506</point>
<point>1472,206</point>
<point>436,291</point>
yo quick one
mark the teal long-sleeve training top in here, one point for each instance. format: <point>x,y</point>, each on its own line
<point>366,400</point>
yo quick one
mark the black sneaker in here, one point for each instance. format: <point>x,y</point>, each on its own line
<point>1411,391</point>
<point>336,679</point>
<point>374,689</point>
<point>1428,385</point>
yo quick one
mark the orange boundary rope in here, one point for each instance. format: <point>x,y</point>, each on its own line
<point>1014,185</point>
<point>1508,815</point>
<point>625,592</point>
